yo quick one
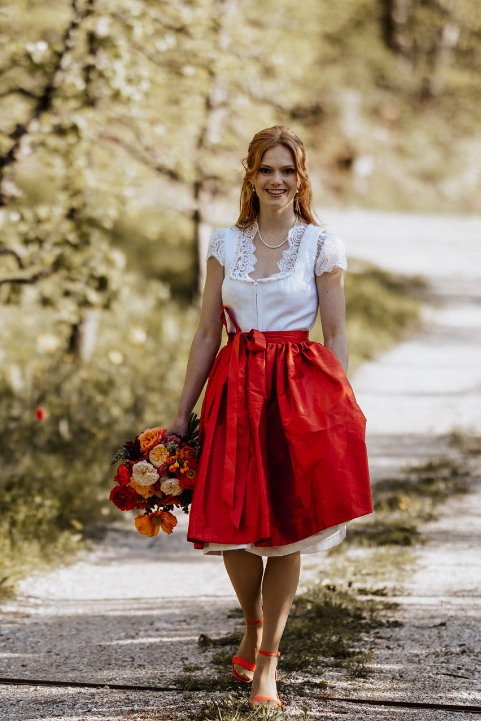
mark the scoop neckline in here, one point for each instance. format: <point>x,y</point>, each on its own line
<point>250,240</point>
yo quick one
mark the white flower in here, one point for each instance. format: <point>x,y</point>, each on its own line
<point>171,487</point>
<point>144,473</point>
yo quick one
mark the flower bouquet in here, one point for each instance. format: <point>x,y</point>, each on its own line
<point>158,472</point>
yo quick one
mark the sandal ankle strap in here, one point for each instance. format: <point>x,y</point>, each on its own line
<point>268,653</point>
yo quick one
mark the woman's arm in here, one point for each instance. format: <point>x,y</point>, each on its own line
<point>205,345</point>
<point>332,305</point>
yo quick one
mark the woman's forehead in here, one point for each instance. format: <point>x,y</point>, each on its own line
<point>278,155</point>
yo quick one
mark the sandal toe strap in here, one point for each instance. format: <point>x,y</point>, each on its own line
<point>242,662</point>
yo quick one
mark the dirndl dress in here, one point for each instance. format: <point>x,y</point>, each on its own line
<point>283,466</point>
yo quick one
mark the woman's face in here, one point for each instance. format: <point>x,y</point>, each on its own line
<point>276,179</point>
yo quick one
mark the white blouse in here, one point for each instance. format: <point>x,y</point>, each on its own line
<point>286,300</point>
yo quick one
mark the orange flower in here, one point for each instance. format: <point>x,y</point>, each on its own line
<point>149,524</point>
<point>150,437</point>
<point>144,491</point>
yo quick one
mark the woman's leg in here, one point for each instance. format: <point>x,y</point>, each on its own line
<point>279,586</point>
<point>245,572</point>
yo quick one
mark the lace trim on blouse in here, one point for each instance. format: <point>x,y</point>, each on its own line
<point>246,258</point>
<point>330,252</point>
<point>216,246</point>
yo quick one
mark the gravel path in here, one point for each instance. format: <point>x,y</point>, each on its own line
<point>131,610</point>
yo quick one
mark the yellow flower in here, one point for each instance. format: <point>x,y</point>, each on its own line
<point>158,455</point>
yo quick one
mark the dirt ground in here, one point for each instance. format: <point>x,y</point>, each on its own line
<point>130,611</point>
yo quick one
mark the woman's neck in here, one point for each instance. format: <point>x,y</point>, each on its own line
<point>276,221</point>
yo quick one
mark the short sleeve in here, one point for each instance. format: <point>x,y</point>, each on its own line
<point>330,252</point>
<point>216,246</point>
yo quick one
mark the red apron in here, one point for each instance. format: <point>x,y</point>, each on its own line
<point>283,450</point>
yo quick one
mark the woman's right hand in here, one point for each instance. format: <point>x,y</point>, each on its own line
<point>178,427</point>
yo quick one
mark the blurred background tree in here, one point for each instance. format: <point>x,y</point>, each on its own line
<point>122,129</point>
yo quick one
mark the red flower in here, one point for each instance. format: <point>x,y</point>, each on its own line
<point>124,497</point>
<point>168,500</point>
<point>123,475</point>
<point>40,413</point>
<point>187,482</point>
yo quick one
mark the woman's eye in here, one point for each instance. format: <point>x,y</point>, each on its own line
<point>263,170</point>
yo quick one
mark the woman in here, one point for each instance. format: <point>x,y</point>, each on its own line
<point>283,466</point>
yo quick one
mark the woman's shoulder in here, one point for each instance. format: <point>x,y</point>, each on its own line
<point>331,251</point>
<point>216,244</point>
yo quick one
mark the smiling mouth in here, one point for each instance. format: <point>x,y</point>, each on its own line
<point>275,193</point>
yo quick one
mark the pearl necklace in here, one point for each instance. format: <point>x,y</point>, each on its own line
<point>275,246</point>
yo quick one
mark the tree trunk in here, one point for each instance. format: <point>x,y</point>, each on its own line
<point>442,57</point>
<point>396,32</point>
<point>84,335</point>
<point>210,135</point>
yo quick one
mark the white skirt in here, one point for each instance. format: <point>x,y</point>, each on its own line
<point>322,541</point>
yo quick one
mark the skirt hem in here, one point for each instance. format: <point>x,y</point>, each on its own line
<point>301,530</point>
<point>322,541</point>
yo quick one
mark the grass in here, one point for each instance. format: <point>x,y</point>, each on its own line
<point>327,629</point>
<point>382,308</point>
<point>402,504</point>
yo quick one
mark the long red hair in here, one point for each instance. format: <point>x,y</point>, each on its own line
<point>262,141</point>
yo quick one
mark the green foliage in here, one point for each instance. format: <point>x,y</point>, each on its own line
<point>381,307</point>
<point>104,102</point>
<point>56,473</point>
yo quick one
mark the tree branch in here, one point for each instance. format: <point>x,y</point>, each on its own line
<point>33,278</point>
<point>142,155</point>
<point>19,91</point>
<point>9,251</point>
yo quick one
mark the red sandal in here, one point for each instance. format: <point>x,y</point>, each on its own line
<point>259,700</point>
<point>242,661</point>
